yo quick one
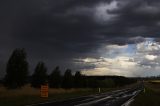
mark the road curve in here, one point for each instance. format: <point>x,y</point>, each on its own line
<point>115,98</point>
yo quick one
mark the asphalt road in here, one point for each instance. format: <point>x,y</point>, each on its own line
<point>115,98</point>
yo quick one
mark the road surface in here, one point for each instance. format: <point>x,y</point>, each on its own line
<point>115,98</point>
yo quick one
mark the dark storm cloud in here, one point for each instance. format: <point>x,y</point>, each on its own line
<point>59,30</point>
<point>139,17</point>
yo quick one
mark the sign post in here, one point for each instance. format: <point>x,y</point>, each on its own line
<point>44,91</point>
<point>99,90</point>
<point>144,90</point>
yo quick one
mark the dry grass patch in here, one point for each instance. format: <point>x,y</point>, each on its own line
<point>26,90</point>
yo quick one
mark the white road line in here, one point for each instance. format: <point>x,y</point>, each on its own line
<point>92,102</point>
<point>109,93</point>
<point>127,103</point>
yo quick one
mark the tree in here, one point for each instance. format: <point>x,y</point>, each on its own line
<point>106,83</point>
<point>16,70</point>
<point>55,78</point>
<point>78,80</point>
<point>67,79</point>
<point>93,82</point>
<point>39,76</point>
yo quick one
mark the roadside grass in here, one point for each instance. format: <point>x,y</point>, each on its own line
<point>158,81</point>
<point>151,96</point>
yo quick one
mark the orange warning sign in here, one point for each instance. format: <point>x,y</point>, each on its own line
<point>44,90</point>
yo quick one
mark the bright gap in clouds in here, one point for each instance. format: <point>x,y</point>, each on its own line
<point>131,60</point>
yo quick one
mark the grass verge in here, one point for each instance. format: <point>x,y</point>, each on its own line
<point>151,96</point>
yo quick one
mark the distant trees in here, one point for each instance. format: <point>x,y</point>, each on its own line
<point>17,76</point>
<point>39,76</point>
<point>78,80</point>
<point>106,83</point>
<point>55,78</point>
<point>16,70</point>
<point>67,79</point>
<point>92,82</point>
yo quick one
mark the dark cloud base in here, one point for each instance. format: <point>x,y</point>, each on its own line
<point>57,31</point>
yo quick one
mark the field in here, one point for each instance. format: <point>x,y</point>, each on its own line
<point>151,95</point>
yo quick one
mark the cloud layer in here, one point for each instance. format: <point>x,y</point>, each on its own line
<point>132,60</point>
<point>58,31</point>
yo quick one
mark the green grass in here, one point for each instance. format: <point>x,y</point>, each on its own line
<point>151,97</point>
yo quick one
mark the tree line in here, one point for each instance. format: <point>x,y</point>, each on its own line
<point>17,75</point>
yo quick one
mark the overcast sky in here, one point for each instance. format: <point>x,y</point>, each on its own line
<point>97,37</point>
